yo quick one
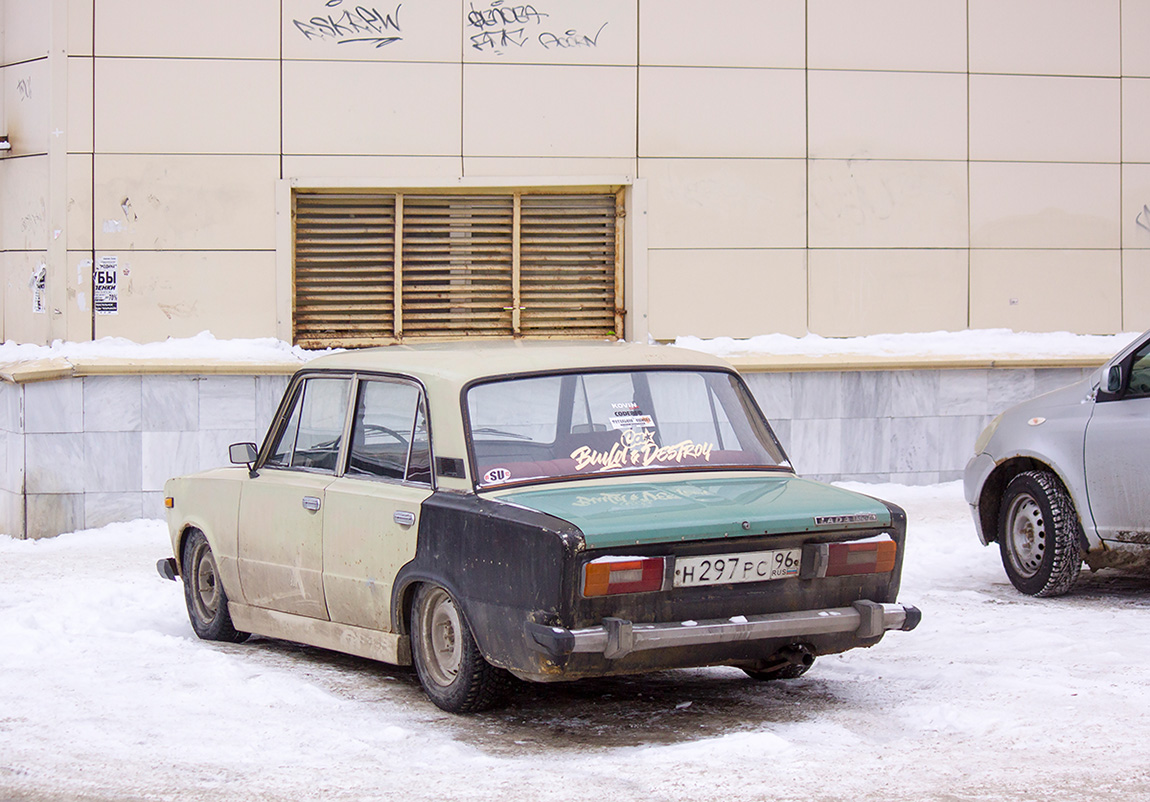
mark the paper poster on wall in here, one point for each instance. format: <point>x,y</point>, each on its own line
<point>105,297</point>
<point>40,290</point>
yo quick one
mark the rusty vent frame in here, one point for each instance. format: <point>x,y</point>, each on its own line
<point>371,268</point>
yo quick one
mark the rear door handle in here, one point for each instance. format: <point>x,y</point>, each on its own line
<point>403,517</point>
<point>311,503</point>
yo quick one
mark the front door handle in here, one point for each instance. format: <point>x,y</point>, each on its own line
<point>311,503</point>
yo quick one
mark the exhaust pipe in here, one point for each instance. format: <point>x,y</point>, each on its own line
<point>797,654</point>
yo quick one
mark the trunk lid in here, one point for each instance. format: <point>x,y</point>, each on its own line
<point>701,508</point>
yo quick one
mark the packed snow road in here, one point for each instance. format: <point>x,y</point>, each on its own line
<point>105,694</point>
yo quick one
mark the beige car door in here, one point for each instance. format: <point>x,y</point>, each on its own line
<point>280,538</point>
<point>371,514</point>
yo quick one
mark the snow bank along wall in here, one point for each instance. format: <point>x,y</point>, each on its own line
<point>88,444</point>
<point>834,166</point>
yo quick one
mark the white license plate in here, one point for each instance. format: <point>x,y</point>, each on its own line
<point>749,566</point>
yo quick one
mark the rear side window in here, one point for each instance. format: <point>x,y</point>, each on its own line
<point>389,433</point>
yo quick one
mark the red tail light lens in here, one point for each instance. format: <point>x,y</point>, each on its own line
<point>868,557</point>
<point>610,575</point>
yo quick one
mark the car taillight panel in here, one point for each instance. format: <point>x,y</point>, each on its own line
<point>609,576</point>
<point>872,556</point>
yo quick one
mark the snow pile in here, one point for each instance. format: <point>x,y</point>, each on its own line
<point>203,347</point>
<point>105,694</point>
<point>986,343</point>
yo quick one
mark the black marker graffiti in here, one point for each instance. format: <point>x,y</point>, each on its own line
<point>569,39</point>
<point>1143,218</point>
<point>495,25</point>
<point>502,26</point>
<point>24,87</point>
<point>360,24</point>
<point>499,14</point>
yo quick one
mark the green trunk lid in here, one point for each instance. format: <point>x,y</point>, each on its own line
<point>701,508</point>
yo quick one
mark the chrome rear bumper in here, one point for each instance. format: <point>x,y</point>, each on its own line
<point>618,638</point>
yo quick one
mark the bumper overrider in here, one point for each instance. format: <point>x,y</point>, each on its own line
<point>616,638</point>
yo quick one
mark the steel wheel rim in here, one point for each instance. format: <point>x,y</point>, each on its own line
<point>1026,535</point>
<point>442,636</point>
<point>205,582</point>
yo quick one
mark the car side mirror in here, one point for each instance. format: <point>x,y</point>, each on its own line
<point>1114,379</point>
<point>244,454</point>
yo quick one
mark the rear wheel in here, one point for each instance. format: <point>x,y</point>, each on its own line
<point>1039,535</point>
<point>451,669</point>
<point>204,592</point>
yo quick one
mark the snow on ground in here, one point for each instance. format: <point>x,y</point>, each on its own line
<point>106,694</point>
<point>986,343</point>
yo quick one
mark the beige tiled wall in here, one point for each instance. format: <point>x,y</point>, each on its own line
<point>773,292</point>
<point>726,203</point>
<point>730,33</point>
<point>911,35</point>
<point>721,112</point>
<point>546,110</point>
<point>887,204</point>
<point>886,115</point>
<point>153,105</point>
<point>1136,289</point>
<point>851,290</point>
<point>922,156</point>
<point>1046,290</point>
<point>25,91</point>
<point>1045,37</point>
<point>164,293</point>
<point>1044,205</point>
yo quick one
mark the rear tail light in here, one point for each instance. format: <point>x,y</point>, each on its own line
<point>608,576</point>
<point>860,557</point>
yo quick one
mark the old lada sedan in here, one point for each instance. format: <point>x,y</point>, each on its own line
<point>538,510</point>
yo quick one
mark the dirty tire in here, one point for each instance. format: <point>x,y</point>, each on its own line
<point>451,669</point>
<point>785,671</point>
<point>204,592</point>
<point>1039,535</point>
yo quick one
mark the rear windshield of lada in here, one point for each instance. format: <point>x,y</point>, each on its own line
<point>571,425</point>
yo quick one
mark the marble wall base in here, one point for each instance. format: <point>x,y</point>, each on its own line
<point>85,452</point>
<point>82,453</point>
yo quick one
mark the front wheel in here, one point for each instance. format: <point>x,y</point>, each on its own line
<point>451,669</point>
<point>204,592</point>
<point>1039,535</point>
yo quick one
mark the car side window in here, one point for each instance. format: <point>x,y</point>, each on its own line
<point>313,433</point>
<point>1139,384</point>
<point>389,433</point>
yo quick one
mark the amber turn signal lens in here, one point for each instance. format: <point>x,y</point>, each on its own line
<point>872,557</point>
<point>169,502</point>
<point>609,577</point>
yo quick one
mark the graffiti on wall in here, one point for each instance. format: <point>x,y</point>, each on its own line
<point>1143,218</point>
<point>348,24</point>
<point>500,27</point>
<point>495,27</point>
